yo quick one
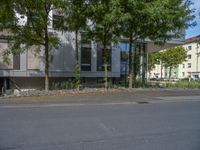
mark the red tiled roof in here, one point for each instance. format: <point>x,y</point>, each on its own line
<point>192,39</point>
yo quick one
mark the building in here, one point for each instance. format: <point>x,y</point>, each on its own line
<point>188,69</point>
<point>26,70</point>
<point>191,67</point>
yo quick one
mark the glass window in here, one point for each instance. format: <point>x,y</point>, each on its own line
<point>189,65</point>
<point>189,47</point>
<point>183,74</point>
<point>196,76</point>
<point>189,56</point>
<point>101,55</point>
<point>85,59</point>
<point>16,62</point>
<point>183,65</point>
<point>124,48</point>
<point>57,21</point>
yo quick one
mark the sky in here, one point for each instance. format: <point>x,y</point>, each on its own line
<point>193,31</point>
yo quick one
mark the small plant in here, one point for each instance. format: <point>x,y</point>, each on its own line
<point>63,85</point>
<point>184,84</point>
<point>77,81</point>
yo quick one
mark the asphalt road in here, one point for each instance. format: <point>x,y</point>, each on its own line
<point>152,126</point>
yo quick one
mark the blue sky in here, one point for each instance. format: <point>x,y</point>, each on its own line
<point>193,31</point>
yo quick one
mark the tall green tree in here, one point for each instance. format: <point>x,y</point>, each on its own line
<point>35,31</point>
<point>173,57</point>
<point>153,59</point>
<point>157,20</point>
<point>75,18</point>
<point>103,29</point>
<point>7,14</point>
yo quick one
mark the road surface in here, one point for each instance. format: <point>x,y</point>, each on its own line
<point>173,125</point>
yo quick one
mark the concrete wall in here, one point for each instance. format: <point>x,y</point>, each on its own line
<point>62,60</point>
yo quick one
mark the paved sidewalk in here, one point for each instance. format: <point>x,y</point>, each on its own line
<point>120,97</point>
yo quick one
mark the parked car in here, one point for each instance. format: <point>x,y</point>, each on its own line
<point>153,79</point>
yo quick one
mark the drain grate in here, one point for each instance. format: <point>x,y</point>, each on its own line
<point>142,102</point>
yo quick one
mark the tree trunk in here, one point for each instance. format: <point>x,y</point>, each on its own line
<point>135,67</point>
<point>161,73</point>
<point>139,64</point>
<point>106,76</point>
<point>46,60</point>
<point>76,41</point>
<point>144,65</point>
<point>77,66</point>
<point>170,72</point>
<point>130,72</point>
<point>105,66</point>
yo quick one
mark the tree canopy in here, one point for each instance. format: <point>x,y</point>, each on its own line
<point>174,56</point>
<point>153,59</point>
<point>105,20</point>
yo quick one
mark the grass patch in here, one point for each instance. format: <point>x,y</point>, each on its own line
<point>184,84</point>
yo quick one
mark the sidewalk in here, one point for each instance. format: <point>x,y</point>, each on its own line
<point>140,96</point>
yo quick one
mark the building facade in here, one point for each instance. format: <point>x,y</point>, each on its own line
<point>26,70</point>
<point>188,69</point>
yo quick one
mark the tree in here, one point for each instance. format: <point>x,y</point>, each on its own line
<point>103,29</point>
<point>173,57</point>
<point>75,18</point>
<point>7,14</point>
<point>153,59</point>
<point>155,20</point>
<point>35,31</point>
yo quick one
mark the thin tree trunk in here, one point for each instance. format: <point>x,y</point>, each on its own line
<point>77,67</point>
<point>139,64</point>
<point>130,72</point>
<point>105,66</point>
<point>135,67</point>
<point>106,75</point>
<point>76,40</point>
<point>161,73</point>
<point>144,65</point>
<point>170,72</point>
<point>46,60</point>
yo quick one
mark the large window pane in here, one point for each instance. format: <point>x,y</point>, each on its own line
<point>57,22</point>
<point>85,59</point>
<point>101,55</point>
<point>16,62</point>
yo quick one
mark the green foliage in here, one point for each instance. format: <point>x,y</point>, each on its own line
<point>7,14</point>
<point>104,21</point>
<point>75,19</point>
<point>172,57</point>
<point>75,16</point>
<point>38,19</point>
<point>107,21</point>
<point>151,19</point>
<point>184,84</point>
<point>104,28</point>
<point>62,85</point>
<point>77,80</point>
<point>153,59</point>
<point>35,30</point>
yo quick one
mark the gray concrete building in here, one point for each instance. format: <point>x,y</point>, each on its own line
<point>26,70</point>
